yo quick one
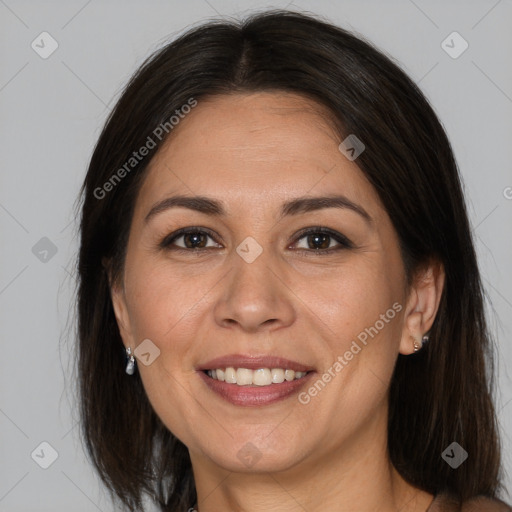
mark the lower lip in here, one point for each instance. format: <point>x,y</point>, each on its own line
<point>255,395</point>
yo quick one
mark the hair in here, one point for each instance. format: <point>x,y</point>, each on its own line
<point>442,394</point>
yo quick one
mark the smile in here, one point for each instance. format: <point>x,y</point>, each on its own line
<point>258,377</point>
<point>254,380</point>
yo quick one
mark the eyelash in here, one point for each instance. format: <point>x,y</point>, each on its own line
<point>344,242</point>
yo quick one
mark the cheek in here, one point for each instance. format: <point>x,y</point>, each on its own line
<point>359,313</point>
<point>349,299</point>
<point>162,301</point>
<point>163,309</point>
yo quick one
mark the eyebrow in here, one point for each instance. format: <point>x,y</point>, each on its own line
<point>297,206</point>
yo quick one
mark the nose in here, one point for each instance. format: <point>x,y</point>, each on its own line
<point>255,295</point>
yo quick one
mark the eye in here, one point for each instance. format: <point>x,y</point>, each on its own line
<point>194,238</point>
<point>318,240</point>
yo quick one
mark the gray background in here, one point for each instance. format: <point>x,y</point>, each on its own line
<point>51,113</point>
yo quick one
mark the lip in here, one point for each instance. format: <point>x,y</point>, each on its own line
<point>254,395</point>
<point>254,363</point>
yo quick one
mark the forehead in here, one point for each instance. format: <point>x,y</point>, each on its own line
<point>257,146</point>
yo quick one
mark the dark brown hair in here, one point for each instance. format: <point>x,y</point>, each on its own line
<point>440,395</point>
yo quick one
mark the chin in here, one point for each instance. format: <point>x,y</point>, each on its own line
<point>265,453</point>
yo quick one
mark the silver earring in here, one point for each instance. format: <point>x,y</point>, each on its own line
<point>424,340</point>
<point>130,365</point>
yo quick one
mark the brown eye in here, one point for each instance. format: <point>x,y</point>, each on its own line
<point>318,240</point>
<point>192,239</point>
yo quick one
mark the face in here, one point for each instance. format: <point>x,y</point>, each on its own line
<point>321,286</point>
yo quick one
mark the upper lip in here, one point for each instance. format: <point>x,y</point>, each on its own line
<point>254,363</point>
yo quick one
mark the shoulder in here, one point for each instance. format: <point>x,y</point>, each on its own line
<point>447,503</point>
<point>484,504</point>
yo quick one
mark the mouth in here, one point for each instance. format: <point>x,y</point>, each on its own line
<point>254,381</point>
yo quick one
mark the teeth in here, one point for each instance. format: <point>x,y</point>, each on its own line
<point>243,376</point>
<point>277,375</point>
<point>229,375</point>
<point>289,375</point>
<point>259,377</point>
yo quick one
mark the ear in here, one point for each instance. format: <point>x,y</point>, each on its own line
<point>118,297</point>
<point>422,305</point>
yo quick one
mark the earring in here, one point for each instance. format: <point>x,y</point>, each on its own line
<point>417,344</point>
<point>130,366</point>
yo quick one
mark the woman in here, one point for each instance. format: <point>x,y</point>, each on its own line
<point>279,302</point>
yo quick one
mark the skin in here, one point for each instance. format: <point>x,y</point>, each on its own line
<point>253,152</point>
